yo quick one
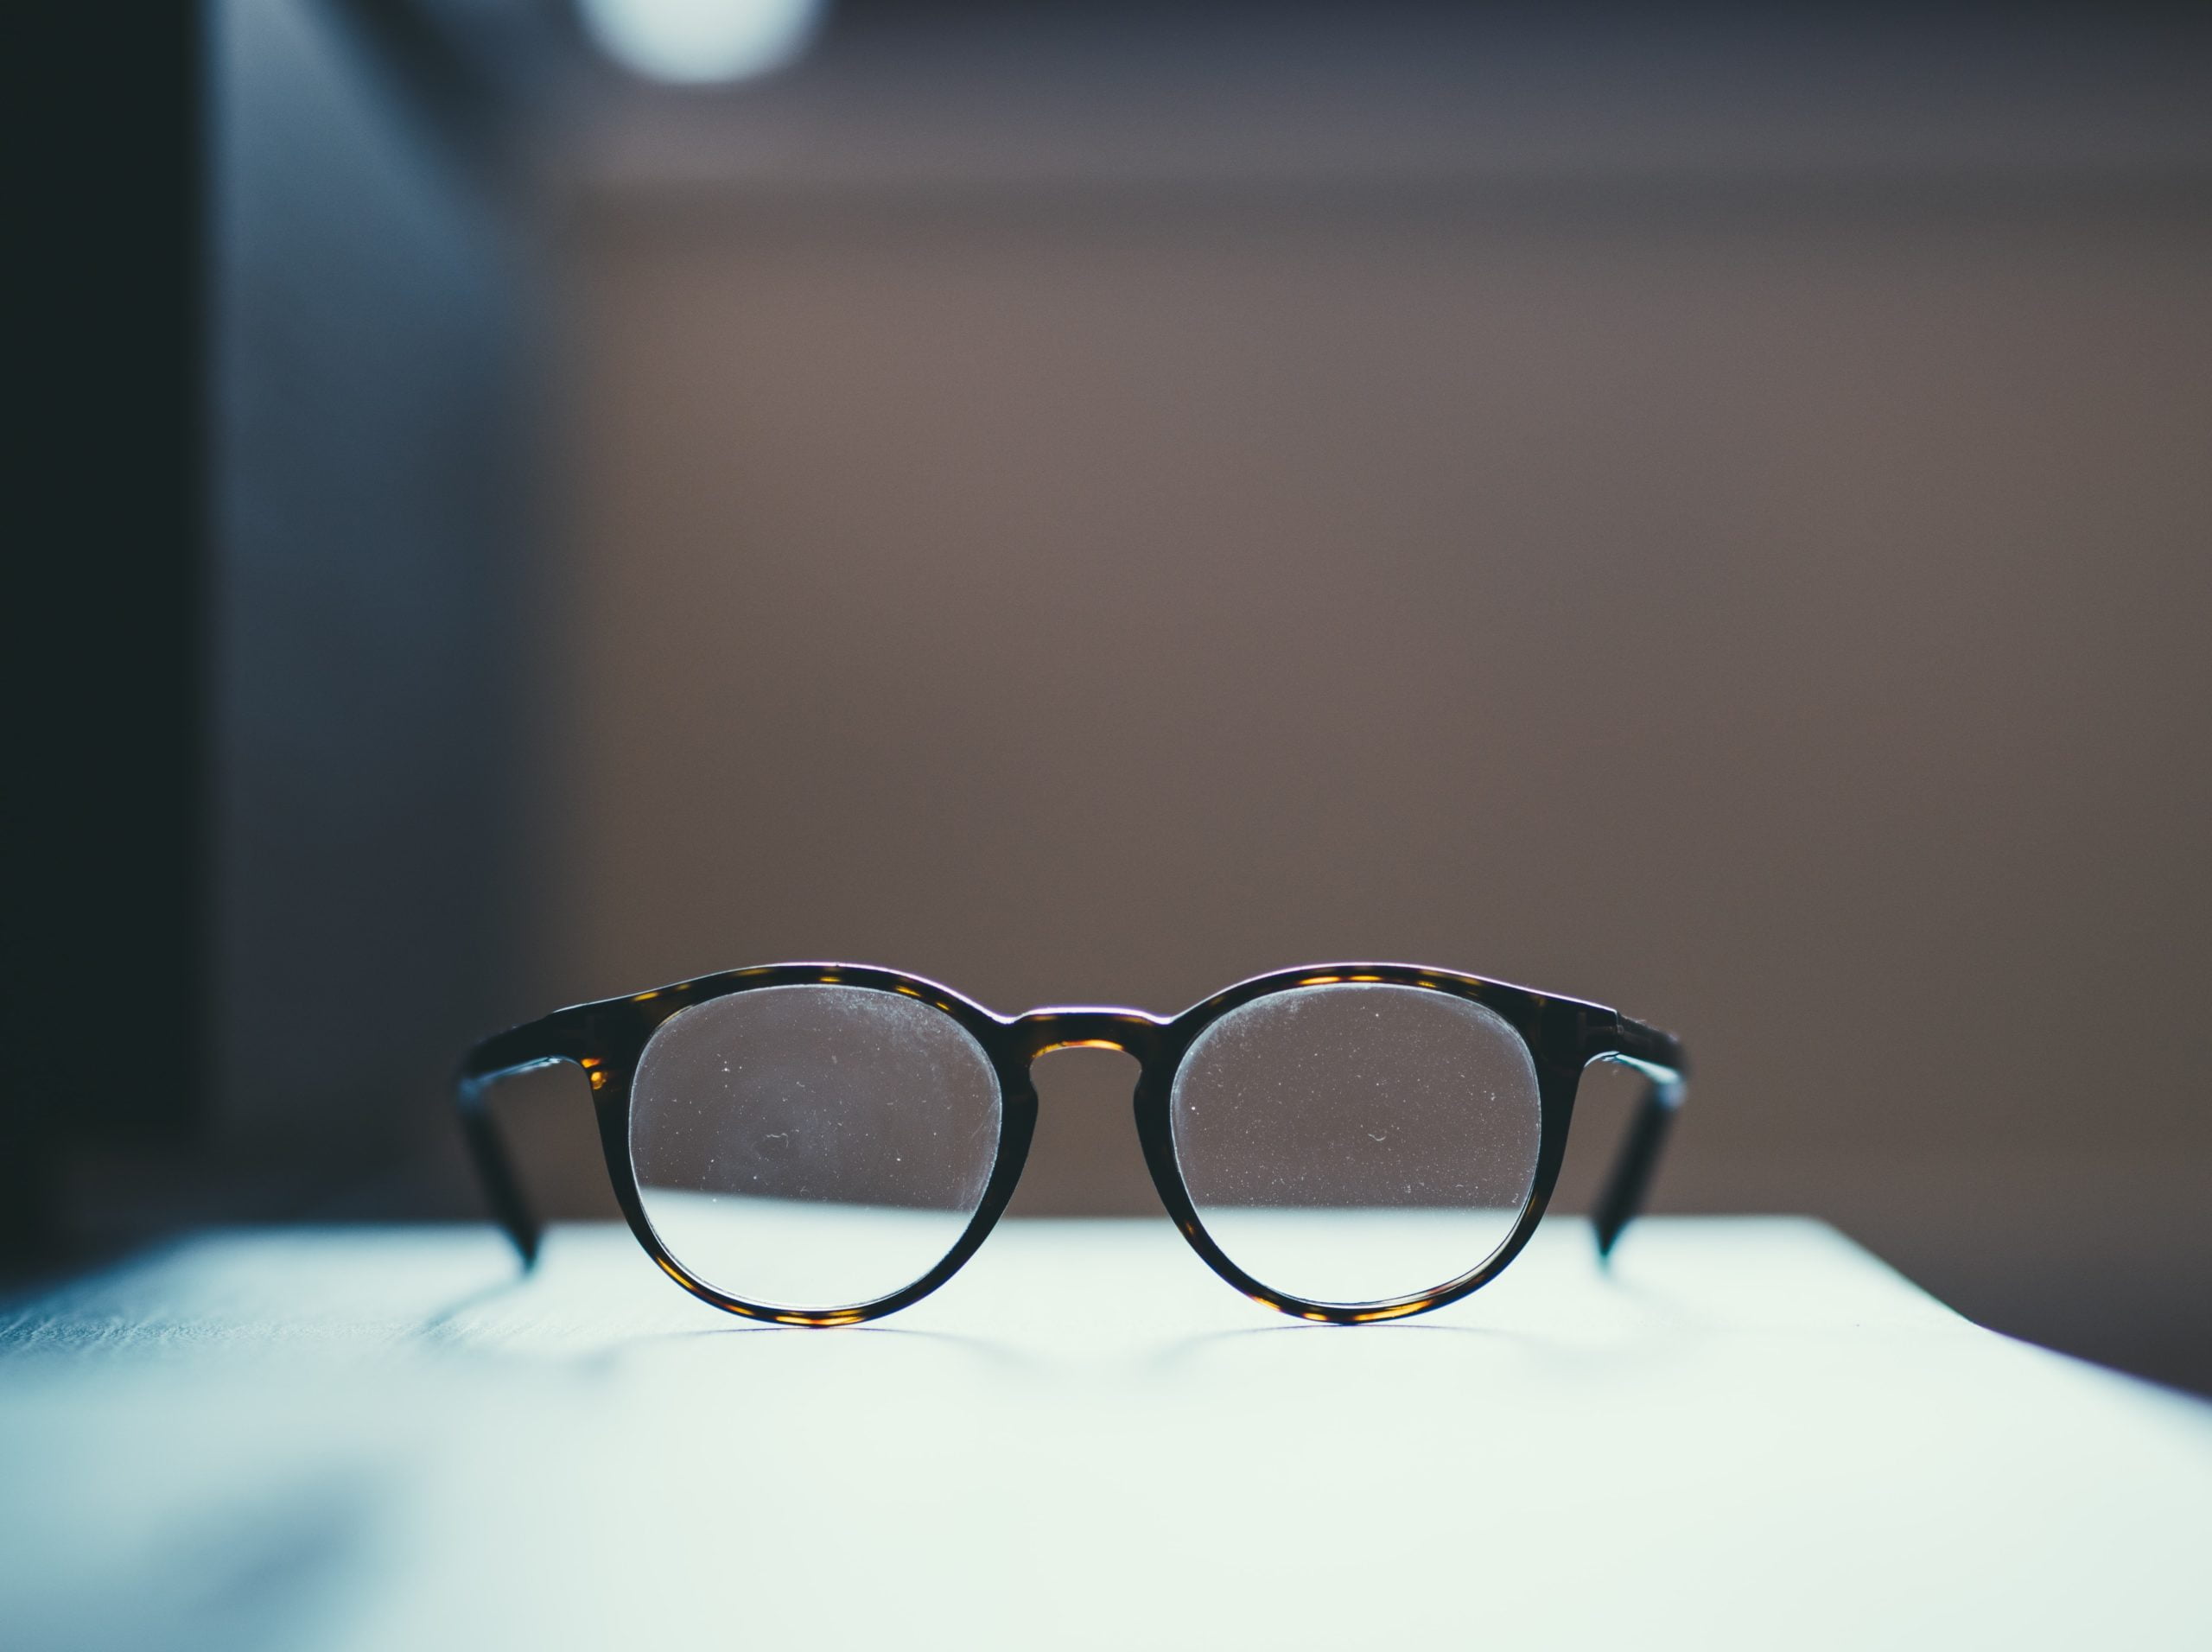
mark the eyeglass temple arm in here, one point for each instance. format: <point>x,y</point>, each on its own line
<point>1658,1056</point>
<point>518,1050</point>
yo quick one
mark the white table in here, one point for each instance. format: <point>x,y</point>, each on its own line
<point>1750,1433</point>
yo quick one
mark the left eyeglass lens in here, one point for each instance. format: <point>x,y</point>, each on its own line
<point>812,1146</point>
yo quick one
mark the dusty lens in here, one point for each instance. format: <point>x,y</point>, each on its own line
<point>1358,1143</point>
<point>812,1146</point>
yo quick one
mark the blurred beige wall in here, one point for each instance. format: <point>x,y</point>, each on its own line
<point>1773,607</point>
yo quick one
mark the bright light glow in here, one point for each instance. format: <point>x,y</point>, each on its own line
<point>697,41</point>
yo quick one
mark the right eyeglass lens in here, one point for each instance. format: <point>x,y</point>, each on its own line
<point>1358,1143</point>
<point>814,1147</point>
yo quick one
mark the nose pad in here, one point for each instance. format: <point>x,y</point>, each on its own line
<point>1085,1158</point>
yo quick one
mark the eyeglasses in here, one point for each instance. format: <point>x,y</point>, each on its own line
<point>822,1143</point>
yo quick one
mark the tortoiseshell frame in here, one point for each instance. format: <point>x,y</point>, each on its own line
<point>608,1038</point>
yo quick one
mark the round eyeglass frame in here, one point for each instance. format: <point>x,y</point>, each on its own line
<point>608,1040</point>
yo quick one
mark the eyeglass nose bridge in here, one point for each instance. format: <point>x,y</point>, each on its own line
<point>1076,1027</point>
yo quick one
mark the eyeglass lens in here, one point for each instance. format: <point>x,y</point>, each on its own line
<point>1358,1143</point>
<point>812,1146</point>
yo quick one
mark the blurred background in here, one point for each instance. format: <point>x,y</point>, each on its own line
<point>1709,511</point>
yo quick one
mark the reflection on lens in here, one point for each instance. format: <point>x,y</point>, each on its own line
<point>812,1146</point>
<point>1358,1143</point>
